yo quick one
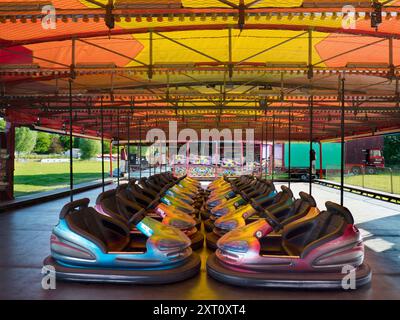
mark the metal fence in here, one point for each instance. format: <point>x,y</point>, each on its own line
<point>381,179</point>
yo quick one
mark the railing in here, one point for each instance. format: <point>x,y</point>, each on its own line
<point>380,179</point>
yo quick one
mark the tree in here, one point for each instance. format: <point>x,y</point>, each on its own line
<point>392,150</point>
<point>64,141</point>
<point>107,148</point>
<point>25,140</point>
<point>2,124</point>
<point>89,148</point>
<point>76,142</point>
<point>55,146</point>
<point>43,143</point>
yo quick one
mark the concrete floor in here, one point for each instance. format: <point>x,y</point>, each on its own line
<point>24,242</point>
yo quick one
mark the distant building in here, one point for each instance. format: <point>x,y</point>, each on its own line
<point>76,153</point>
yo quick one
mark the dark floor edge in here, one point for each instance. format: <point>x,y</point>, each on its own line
<point>40,197</point>
<point>361,192</point>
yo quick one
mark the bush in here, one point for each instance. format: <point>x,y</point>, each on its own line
<point>64,141</point>
<point>55,146</point>
<point>43,143</point>
<point>392,150</point>
<point>2,124</point>
<point>89,148</point>
<point>25,140</point>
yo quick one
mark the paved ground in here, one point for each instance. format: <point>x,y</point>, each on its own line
<point>24,242</point>
<point>379,221</point>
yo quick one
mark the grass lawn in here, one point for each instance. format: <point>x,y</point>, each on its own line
<point>379,182</point>
<point>34,177</point>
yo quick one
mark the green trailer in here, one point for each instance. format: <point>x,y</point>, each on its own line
<point>300,155</point>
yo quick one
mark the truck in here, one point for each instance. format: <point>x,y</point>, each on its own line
<point>360,154</point>
<point>365,153</point>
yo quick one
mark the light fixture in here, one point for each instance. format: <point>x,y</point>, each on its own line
<point>368,65</point>
<point>376,15</point>
<point>286,64</point>
<point>19,66</point>
<point>105,65</point>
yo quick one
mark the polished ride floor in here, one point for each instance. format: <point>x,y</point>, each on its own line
<point>24,243</point>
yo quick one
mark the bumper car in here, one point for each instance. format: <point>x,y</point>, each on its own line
<point>232,190</point>
<point>175,193</point>
<point>187,185</point>
<point>119,204</point>
<point>254,189</point>
<point>87,246</point>
<point>148,186</point>
<point>265,195</point>
<point>280,204</point>
<point>316,253</point>
<point>226,187</point>
<point>145,197</point>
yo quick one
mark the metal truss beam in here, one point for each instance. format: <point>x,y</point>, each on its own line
<point>165,29</point>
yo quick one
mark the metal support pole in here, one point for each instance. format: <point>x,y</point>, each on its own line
<point>391,59</point>
<point>391,181</point>
<point>166,158</point>
<point>342,142</point>
<point>140,149</point>
<point>128,149</point>
<point>397,93</point>
<point>161,155</point>
<point>150,71</point>
<point>230,65</point>
<point>266,149</point>
<point>310,179</point>
<point>118,156</point>
<point>290,148</point>
<point>111,159</point>
<point>321,171</point>
<point>363,176</point>
<point>71,159</point>
<point>102,142</point>
<point>310,52</point>
<point>262,149</point>
<point>150,166</point>
<point>273,148</point>
<point>129,140</point>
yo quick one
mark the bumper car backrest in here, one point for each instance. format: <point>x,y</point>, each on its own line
<point>144,183</point>
<point>282,196</point>
<point>165,178</point>
<point>270,185</point>
<point>298,209</point>
<point>340,210</point>
<point>328,225</point>
<point>154,184</point>
<point>133,182</point>
<point>282,202</point>
<point>262,188</point>
<point>73,206</point>
<point>135,193</point>
<point>126,204</point>
<point>241,182</point>
<point>108,203</point>
<point>109,234</point>
<point>148,191</point>
<point>160,179</point>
